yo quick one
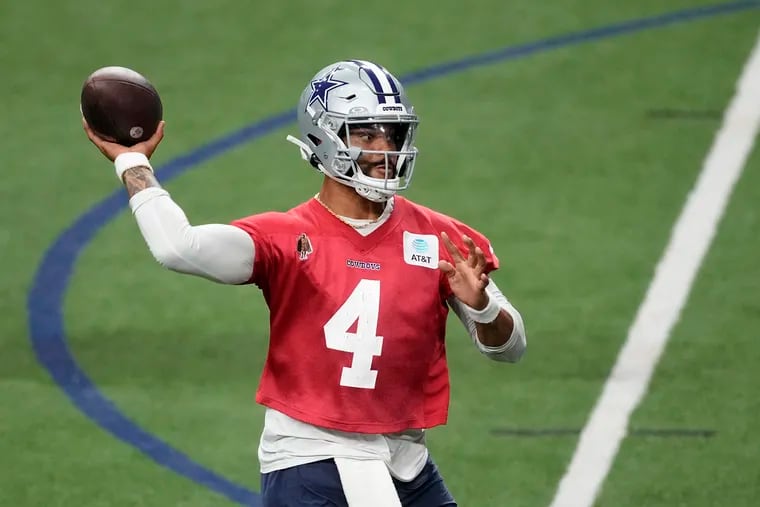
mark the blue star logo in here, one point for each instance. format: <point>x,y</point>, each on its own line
<point>321,87</point>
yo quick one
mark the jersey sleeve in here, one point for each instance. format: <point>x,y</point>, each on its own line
<point>259,228</point>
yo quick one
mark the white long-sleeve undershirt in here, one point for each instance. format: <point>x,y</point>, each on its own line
<point>220,252</point>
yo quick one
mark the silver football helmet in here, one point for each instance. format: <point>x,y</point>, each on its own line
<point>352,94</point>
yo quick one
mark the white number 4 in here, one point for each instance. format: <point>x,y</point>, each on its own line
<point>362,307</point>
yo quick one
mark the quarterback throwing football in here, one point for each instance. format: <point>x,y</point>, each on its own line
<point>359,281</point>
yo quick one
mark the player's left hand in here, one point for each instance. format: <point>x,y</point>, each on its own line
<point>467,276</point>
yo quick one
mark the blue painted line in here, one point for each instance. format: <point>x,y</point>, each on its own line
<point>575,38</point>
<point>45,299</point>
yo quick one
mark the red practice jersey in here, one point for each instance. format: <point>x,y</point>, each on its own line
<point>357,323</point>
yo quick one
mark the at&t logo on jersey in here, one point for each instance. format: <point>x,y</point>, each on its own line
<point>421,250</point>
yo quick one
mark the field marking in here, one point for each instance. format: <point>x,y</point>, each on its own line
<point>667,294</point>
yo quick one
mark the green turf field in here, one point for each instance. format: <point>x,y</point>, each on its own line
<point>559,156</point>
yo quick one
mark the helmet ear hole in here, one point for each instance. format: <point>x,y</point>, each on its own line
<point>314,161</point>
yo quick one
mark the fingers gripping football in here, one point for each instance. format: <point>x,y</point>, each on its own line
<point>112,150</point>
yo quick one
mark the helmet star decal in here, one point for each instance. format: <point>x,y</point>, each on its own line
<point>321,87</point>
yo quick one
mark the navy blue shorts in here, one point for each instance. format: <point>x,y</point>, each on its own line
<point>318,484</point>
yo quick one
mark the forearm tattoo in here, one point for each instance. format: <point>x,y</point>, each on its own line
<point>139,178</point>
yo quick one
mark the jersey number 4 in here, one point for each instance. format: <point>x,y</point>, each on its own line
<point>362,308</point>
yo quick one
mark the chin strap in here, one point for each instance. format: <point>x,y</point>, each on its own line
<point>372,194</point>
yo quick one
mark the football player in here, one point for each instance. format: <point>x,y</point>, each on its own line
<point>359,281</point>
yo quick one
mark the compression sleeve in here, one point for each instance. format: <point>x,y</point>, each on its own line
<point>219,252</point>
<point>515,346</point>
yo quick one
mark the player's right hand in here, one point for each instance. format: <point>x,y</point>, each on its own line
<point>112,150</point>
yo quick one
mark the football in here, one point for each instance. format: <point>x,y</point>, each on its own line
<point>121,105</point>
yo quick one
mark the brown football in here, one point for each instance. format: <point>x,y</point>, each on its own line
<point>120,105</point>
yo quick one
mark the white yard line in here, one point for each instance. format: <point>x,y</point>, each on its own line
<point>667,294</point>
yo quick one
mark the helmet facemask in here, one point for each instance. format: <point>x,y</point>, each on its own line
<point>376,174</point>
